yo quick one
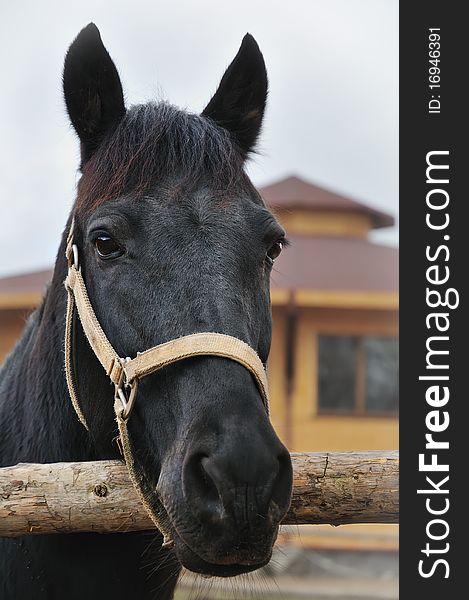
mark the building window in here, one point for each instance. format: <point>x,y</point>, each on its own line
<point>358,374</point>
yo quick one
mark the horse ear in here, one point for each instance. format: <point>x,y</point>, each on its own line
<point>92,90</point>
<point>238,104</point>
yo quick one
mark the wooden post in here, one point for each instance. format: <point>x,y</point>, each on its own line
<point>329,488</point>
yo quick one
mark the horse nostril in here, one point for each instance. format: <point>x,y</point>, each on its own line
<point>283,483</point>
<point>211,490</point>
<point>200,489</point>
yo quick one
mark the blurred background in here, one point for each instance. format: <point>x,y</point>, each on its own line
<point>327,165</point>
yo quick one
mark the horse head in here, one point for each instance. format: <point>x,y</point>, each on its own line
<point>173,240</point>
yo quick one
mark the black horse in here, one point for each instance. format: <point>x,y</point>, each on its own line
<point>174,239</point>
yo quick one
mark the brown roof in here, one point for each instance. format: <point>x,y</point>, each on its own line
<point>27,283</point>
<point>326,263</point>
<point>294,192</point>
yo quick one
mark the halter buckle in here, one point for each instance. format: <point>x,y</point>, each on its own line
<point>126,392</point>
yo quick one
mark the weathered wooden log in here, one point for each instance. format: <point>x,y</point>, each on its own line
<point>334,488</point>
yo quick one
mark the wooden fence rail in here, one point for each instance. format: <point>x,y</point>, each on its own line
<point>329,488</point>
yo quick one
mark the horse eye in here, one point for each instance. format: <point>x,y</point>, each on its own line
<point>107,247</point>
<point>274,252</point>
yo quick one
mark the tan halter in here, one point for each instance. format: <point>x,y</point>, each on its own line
<point>126,372</point>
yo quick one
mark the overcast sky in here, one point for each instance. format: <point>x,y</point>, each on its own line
<point>332,115</point>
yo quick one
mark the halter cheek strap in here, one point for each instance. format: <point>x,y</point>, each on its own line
<point>125,373</point>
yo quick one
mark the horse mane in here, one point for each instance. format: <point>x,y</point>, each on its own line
<point>151,142</point>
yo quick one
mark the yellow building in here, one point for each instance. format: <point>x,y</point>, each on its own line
<point>334,358</point>
<point>333,363</point>
<point>19,295</point>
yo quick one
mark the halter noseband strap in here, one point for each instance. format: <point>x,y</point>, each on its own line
<point>126,372</point>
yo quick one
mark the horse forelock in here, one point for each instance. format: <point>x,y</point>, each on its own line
<point>153,143</point>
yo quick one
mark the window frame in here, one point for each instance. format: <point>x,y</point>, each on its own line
<point>359,409</point>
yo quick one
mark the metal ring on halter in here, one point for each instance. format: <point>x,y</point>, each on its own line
<point>127,403</point>
<point>120,394</point>
<point>75,256</point>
